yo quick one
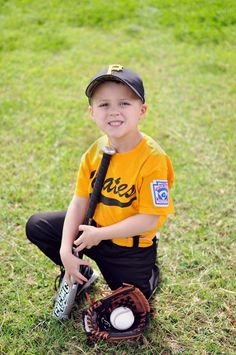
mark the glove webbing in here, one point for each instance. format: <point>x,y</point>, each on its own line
<point>127,296</point>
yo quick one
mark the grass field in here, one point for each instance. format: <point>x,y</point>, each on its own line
<point>185,52</point>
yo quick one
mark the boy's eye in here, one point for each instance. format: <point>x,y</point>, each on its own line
<point>125,103</point>
<point>104,104</point>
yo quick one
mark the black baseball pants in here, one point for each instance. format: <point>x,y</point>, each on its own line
<point>117,264</point>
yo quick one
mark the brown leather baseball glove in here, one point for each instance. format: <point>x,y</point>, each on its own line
<point>96,319</point>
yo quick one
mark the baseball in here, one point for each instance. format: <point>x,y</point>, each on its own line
<point>122,318</point>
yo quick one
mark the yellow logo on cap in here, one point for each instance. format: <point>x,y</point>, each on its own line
<point>114,67</point>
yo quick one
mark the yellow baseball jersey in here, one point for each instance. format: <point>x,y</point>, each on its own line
<point>137,181</point>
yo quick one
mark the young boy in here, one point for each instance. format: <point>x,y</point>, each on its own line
<point>135,199</point>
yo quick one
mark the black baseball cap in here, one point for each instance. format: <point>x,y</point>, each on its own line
<point>116,72</point>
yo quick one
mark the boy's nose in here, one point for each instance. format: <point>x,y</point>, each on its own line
<point>114,112</point>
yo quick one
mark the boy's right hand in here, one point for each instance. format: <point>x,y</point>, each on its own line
<point>72,266</point>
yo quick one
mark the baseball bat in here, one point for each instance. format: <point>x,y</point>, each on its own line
<point>66,295</point>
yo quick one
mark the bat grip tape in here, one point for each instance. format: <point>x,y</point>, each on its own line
<point>94,199</point>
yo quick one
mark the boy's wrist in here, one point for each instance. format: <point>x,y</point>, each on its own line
<point>65,251</point>
<point>98,234</point>
<point>102,234</point>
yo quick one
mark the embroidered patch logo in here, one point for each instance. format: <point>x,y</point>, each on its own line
<point>160,193</point>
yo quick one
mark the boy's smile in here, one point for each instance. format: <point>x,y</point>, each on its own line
<point>117,111</point>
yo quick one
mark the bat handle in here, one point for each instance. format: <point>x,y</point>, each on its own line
<point>107,154</point>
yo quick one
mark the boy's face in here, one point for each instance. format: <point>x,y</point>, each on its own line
<point>117,110</point>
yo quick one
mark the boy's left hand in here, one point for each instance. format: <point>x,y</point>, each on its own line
<point>88,238</point>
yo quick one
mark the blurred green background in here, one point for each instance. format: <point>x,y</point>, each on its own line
<point>185,53</point>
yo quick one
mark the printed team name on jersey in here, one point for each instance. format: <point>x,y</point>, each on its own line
<point>114,185</point>
<point>159,190</point>
<point>116,189</point>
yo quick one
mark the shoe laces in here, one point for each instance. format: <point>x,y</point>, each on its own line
<point>59,278</point>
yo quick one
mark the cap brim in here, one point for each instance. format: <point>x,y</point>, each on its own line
<point>97,81</point>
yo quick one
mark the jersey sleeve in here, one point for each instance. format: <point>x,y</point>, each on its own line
<point>88,165</point>
<point>156,180</point>
<point>81,188</point>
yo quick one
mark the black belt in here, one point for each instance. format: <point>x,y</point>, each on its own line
<point>136,241</point>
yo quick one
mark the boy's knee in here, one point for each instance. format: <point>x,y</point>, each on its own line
<point>31,226</point>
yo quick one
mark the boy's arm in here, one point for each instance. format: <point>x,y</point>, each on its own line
<point>75,215</point>
<point>134,225</point>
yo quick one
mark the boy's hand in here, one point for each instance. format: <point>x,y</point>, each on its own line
<point>72,266</point>
<point>89,237</point>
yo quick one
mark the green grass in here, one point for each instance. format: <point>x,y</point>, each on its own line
<point>185,52</point>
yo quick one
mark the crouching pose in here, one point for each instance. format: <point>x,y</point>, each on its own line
<point>135,199</point>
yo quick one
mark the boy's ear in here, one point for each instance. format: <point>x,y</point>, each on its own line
<point>143,110</point>
<point>90,110</point>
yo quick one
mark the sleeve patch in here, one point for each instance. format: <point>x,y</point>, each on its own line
<point>159,190</point>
